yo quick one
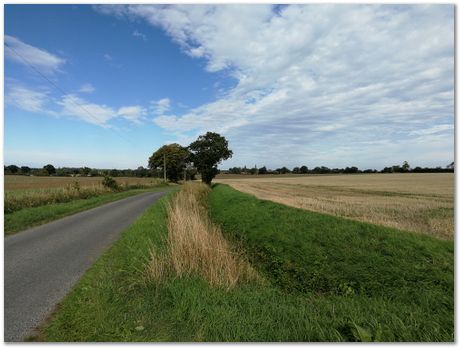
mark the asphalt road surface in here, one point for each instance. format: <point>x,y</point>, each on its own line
<point>43,263</point>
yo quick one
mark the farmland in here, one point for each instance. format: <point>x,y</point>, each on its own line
<point>31,200</point>
<point>21,182</point>
<point>286,274</point>
<point>422,203</point>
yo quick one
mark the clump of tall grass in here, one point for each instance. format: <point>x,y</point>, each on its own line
<point>195,246</point>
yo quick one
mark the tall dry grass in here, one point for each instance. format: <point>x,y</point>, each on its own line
<point>195,246</point>
<point>19,199</point>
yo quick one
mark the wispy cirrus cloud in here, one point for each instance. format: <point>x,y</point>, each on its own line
<point>25,98</point>
<point>87,88</point>
<point>23,53</point>
<point>138,34</point>
<point>40,100</point>
<point>161,106</point>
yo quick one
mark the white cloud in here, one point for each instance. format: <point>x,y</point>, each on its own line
<point>159,107</point>
<point>98,114</point>
<point>440,128</point>
<point>26,99</point>
<point>40,100</point>
<point>108,57</point>
<point>132,113</point>
<point>140,35</point>
<point>22,53</point>
<point>312,78</point>
<point>79,108</point>
<point>87,88</point>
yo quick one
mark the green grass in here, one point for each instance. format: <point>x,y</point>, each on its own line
<point>329,279</point>
<point>30,217</point>
<point>317,254</point>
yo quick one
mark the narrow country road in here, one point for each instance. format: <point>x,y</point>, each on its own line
<point>43,263</point>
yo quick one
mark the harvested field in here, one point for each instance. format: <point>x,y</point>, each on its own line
<point>421,203</point>
<point>20,182</point>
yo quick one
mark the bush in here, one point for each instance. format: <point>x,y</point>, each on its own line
<point>110,183</point>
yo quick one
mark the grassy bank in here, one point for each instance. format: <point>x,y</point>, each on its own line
<point>296,297</point>
<point>402,277</point>
<point>28,217</point>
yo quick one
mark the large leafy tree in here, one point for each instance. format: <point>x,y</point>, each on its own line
<point>207,152</point>
<point>49,168</point>
<point>175,156</point>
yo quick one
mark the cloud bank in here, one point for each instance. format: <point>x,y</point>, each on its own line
<point>319,84</point>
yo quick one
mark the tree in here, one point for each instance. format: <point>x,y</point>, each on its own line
<point>405,167</point>
<point>12,169</point>
<point>283,170</point>
<point>207,152</point>
<point>263,170</point>
<point>175,156</point>
<point>141,172</point>
<point>25,170</point>
<point>303,170</point>
<point>49,168</point>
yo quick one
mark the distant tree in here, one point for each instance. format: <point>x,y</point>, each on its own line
<point>254,171</point>
<point>25,170</point>
<point>61,172</point>
<point>387,170</point>
<point>451,166</point>
<point>303,170</point>
<point>351,170</point>
<point>175,157</point>
<point>296,170</point>
<point>284,170</point>
<point>234,170</point>
<point>263,170</point>
<point>49,168</point>
<point>85,171</point>
<point>207,152</point>
<point>141,172</point>
<point>405,166</point>
<point>397,169</point>
<point>114,172</point>
<point>11,169</point>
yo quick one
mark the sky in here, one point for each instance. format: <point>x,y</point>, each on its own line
<point>288,85</point>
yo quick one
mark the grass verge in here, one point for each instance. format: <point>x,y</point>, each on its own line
<point>116,300</point>
<point>30,217</point>
<point>195,246</point>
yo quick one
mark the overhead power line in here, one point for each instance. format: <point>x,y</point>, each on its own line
<point>63,92</point>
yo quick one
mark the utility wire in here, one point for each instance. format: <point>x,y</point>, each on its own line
<point>64,93</point>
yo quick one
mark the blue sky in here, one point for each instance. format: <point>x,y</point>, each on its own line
<point>334,85</point>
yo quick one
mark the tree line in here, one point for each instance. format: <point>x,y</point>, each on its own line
<point>404,168</point>
<point>51,170</point>
<point>174,161</point>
